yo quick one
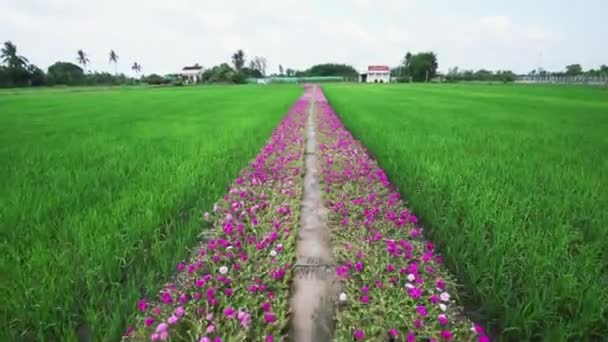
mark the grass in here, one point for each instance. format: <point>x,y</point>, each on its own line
<point>102,192</point>
<point>511,183</point>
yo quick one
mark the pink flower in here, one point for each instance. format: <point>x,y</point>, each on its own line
<point>365,289</point>
<point>149,321</point>
<point>418,324</point>
<point>142,305</point>
<point>269,338</point>
<point>394,333</point>
<point>434,299</point>
<point>269,317</point>
<point>179,311</point>
<point>181,266</point>
<point>204,339</point>
<point>210,329</point>
<point>421,310</point>
<point>359,335</point>
<point>478,329</point>
<point>166,297</point>
<point>440,284</point>
<point>173,319</point>
<point>164,335</point>
<point>446,334</point>
<point>364,299</point>
<point>155,337</point>
<point>229,312</point>
<point>415,292</point>
<point>390,268</point>
<point>200,282</point>
<point>129,331</point>
<point>228,292</point>
<point>411,337</point>
<point>443,320</point>
<point>483,339</point>
<point>359,266</point>
<point>162,327</point>
<point>266,306</point>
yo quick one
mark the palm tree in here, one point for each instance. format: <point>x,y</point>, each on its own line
<point>238,59</point>
<point>10,57</point>
<point>114,59</point>
<point>136,67</point>
<point>83,59</point>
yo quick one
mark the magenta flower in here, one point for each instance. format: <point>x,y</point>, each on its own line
<point>394,333</point>
<point>446,335</point>
<point>142,305</point>
<point>359,266</point>
<point>365,289</point>
<point>483,339</point>
<point>421,310</point>
<point>229,312</point>
<point>443,320</point>
<point>440,284</point>
<point>364,299</point>
<point>270,317</point>
<point>390,268</point>
<point>411,337</point>
<point>359,335</point>
<point>269,338</point>
<point>181,266</point>
<point>415,292</point>
<point>149,321</point>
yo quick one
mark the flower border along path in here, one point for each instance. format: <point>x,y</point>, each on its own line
<point>236,286</point>
<point>394,284</point>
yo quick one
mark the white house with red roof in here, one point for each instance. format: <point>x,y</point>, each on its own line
<point>376,74</point>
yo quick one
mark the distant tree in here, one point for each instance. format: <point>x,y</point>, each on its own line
<point>421,66</point>
<point>604,69</point>
<point>36,75</point>
<point>11,58</point>
<point>259,64</point>
<point>136,67</point>
<point>290,72</point>
<point>222,73</point>
<point>83,59</point>
<point>114,59</point>
<point>238,60</point>
<point>483,75</point>
<point>332,69</point>
<point>65,73</point>
<point>405,65</point>
<point>155,79</point>
<point>574,70</point>
<point>280,70</point>
<point>254,73</point>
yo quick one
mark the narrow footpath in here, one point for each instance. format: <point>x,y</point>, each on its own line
<point>315,286</point>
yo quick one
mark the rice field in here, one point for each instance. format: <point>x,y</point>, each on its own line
<point>511,183</point>
<point>174,213</point>
<point>102,194</point>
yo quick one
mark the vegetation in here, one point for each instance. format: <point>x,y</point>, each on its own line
<point>454,75</point>
<point>329,69</point>
<point>102,198</point>
<point>418,67</point>
<point>509,182</point>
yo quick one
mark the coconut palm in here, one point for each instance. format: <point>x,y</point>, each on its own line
<point>83,59</point>
<point>114,59</point>
<point>136,67</point>
<point>10,57</point>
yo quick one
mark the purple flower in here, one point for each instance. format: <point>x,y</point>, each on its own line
<point>421,310</point>
<point>359,266</point>
<point>269,317</point>
<point>446,335</point>
<point>359,335</point>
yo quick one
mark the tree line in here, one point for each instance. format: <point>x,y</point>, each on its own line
<point>17,71</point>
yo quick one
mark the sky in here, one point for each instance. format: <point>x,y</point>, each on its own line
<point>165,35</point>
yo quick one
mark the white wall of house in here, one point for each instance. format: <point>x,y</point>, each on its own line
<point>192,76</point>
<point>378,77</point>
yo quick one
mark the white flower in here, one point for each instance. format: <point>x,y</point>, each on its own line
<point>342,297</point>
<point>409,286</point>
<point>411,277</point>
<point>206,215</point>
<point>273,253</point>
<point>215,207</point>
<point>223,270</point>
<point>443,307</point>
<point>442,316</point>
<point>229,248</point>
<point>280,245</point>
<point>444,296</point>
<point>473,328</point>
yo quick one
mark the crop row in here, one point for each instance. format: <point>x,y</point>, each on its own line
<point>394,284</point>
<point>236,285</point>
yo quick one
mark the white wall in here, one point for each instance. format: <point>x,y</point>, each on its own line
<point>379,76</point>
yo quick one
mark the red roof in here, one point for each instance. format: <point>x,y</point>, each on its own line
<point>378,68</point>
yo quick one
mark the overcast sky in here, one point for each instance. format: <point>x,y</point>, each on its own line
<point>164,35</point>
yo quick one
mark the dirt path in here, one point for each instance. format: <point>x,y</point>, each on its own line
<point>314,287</point>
